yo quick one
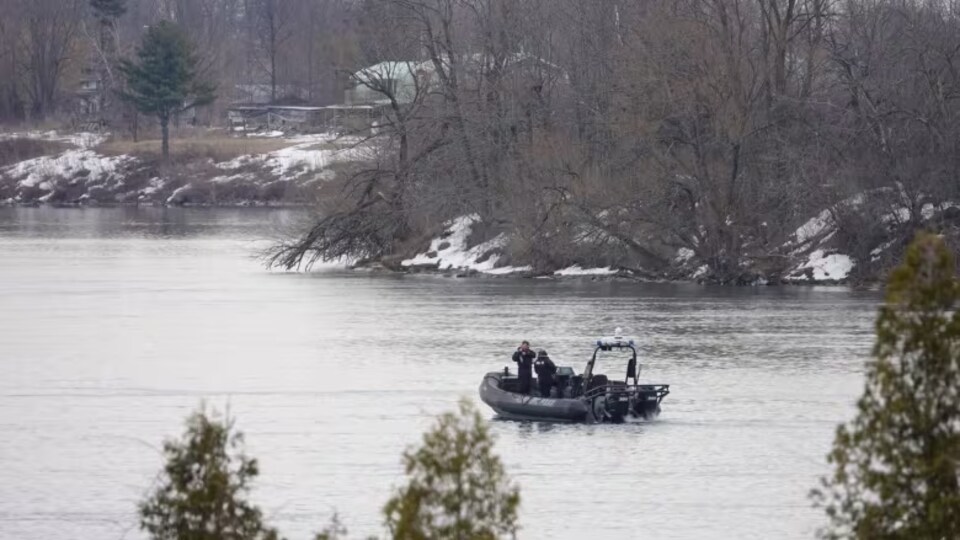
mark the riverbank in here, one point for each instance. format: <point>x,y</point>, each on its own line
<point>852,242</point>
<point>458,252</point>
<point>212,168</point>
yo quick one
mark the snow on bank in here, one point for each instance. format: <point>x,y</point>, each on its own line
<point>814,227</point>
<point>683,255</point>
<point>576,270</point>
<point>822,227</point>
<point>80,140</point>
<point>927,211</point>
<point>81,175</point>
<point>39,179</point>
<point>822,267</point>
<point>92,166</point>
<point>450,251</point>
<point>300,158</point>
<point>811,241</point>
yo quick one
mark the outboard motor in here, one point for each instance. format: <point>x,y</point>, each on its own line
<point>613,408</point>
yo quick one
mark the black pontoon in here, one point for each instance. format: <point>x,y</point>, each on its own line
<point>589,397</point>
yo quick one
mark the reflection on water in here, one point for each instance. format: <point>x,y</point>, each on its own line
<point>115,323</point>
<point>143,222</point>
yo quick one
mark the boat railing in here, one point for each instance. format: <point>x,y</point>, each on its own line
<point>660,390</point>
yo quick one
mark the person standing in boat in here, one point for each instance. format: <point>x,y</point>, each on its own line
<point>545,369</point>
<point>524,358</point>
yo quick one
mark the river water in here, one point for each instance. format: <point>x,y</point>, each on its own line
<point>116,323</point>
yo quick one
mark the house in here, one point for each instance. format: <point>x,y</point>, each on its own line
<point>246,117</point>
<point>261,94</point>
<point>253,110</point>
<point>403,79</point>
<point>346,119</point>
<point>366,101</point>
<point>88,99</point>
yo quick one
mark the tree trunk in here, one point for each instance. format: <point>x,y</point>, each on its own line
<point>135,127</point>
<point>273,75</point>
<point>107,57</point>
<point>165,129</point>
<point>273,55</point>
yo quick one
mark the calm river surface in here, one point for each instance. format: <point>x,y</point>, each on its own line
<point>116,323</point>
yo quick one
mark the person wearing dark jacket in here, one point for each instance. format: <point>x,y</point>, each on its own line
<point>524,358</point>
<point>545,369</point>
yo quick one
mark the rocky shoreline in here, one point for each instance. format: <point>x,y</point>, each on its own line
<point>451,254</point>
<point>77,172</point>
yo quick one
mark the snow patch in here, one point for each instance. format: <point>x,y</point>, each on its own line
<point>83,140</point>
<point>175,196</point>
<point>818,226</point>
<point>34,172</point>
<point>899,215</point>
<point>576,270</point>
<point>456,255</point>
<point>503,270</point>
<point>155,185</point>
<point>684,255</point>
<point>836,266</point>
<point>299,158</point>
<point>814,227</point>
<point>876,252</point>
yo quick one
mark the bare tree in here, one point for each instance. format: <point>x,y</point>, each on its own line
<point>274,27</point>
<point>48,38</point>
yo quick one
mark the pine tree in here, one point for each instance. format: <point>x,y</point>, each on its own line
<point>204,487</point>
<point>897,463</point>
<point>164,81</point>
<point>457,487</point>
<point>335,530</point>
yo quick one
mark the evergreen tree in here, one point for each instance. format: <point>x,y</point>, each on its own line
<point>164,81</point>
<point>335,530</point>
<point>897,463</point>
<point>457,487</point>
<point>204,488</point>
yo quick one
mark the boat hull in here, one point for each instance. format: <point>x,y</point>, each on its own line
<point>611,403</point>
<point>524,407</point>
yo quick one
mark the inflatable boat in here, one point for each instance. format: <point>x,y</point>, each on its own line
<point>588,397</point>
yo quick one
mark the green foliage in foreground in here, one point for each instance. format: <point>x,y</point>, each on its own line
<point>204,488</point>
<point>335,530</point>
<point>457,487</point>
<point>897,463</point>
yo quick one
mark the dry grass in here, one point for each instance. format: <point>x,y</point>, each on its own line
<point>216,147</point>
<point>17,150</point>
<point>328,146</point>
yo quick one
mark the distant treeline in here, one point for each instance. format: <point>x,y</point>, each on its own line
<point>619,131</point>
<point>51,50</point>
<point>602,132</point>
